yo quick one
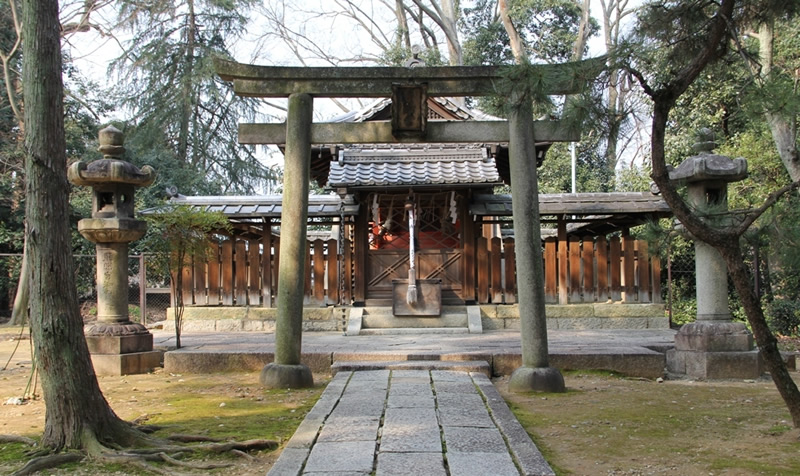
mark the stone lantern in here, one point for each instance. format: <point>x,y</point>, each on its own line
<point>118,346</point>
<point>713,346</point>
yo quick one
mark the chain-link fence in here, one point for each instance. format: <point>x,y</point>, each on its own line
<point>148,288</point>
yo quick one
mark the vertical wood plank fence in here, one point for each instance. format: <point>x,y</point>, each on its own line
<point>243,272</point>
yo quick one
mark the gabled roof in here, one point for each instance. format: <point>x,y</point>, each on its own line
<point>445,169</point>
<point>401,167</point>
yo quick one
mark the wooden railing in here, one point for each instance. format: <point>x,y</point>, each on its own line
<point>238,272</point>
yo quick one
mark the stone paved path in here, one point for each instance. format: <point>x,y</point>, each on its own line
<point>410,422</point>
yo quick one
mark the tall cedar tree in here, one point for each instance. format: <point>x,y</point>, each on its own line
<point>77,413</point>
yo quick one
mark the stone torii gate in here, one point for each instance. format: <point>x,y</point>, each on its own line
<point>409,89</point>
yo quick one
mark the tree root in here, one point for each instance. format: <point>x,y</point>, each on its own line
<point>143,457</point>
<point>193,438</point>
<point>46,462</point>
<point>17,439</point>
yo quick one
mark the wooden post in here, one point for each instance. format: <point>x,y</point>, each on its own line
<point>319,273</point>
<point>644,271</point>
<point>227,272</point>
<point>347,275</point>
<point>602,269</point>
<point>496,261</point>
<point>333,272</point>
<point>587,257</point>
<point>574,269</point>
<point>468,236</point>
<point>628,268</point>
<point>254,271</point>
<point>213,274</point>
<point>510,290</point>
<point>240,260</point>
<point>483,270</point>
<point>550,270</point>
<point>615,256</point>
<point>563,277</point>
<point>266,264</point>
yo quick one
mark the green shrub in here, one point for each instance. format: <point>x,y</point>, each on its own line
<point>783,316</point>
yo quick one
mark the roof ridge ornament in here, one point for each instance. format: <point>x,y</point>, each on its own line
<point>415,61</point>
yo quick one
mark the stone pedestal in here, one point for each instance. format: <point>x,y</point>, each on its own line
<point>715,350</point>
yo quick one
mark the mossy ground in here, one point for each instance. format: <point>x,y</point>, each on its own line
<point>228,406</point>
<point>608,424</point>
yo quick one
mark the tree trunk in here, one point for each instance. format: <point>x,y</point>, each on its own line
<point>767,343</point>
<point>76,408</point>
<point>19,312</point>
<point>783,128</point>
<point>517,47</point>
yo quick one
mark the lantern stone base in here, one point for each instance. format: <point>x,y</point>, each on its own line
<point>125,344</point>
<point>123,354</point>
<point>127,364</point>
<point>715,350</point>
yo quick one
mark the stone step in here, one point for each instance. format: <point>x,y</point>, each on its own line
<point>454,320</point>
<point>382,331</point>
<point>372,321</point>
<point>387,310</point>
<point>456,365</point>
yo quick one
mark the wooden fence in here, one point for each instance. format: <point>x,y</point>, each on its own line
<point>239,273</point>
<point>576,271</point>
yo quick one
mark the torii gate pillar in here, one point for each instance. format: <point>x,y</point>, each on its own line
<point>287,371</point>
<point>535,373</point>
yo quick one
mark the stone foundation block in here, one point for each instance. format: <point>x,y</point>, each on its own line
<point>120,344</point>
<point>628,310</point>
<point>716,365</point>
<point>714,337</point>
<point>126,364</point>
<point>570,310</point>
<point>488,311</point>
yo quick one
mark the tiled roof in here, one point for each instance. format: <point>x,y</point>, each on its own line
<point>399,167</point>
<point>257,206</point>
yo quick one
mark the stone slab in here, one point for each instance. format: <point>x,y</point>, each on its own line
<point>474,320</point>
<point>453,387</point>
<point>481,464</point>
<point>465,416</point>
<point>354,321</point>
<point>356,456</point>
<point>290,462</point>
<point>410,464</point>
<point>410,430</point>
<point>350,429</point>
<point>410,401</point>
<point>474,440</point>
<point>126,364</point>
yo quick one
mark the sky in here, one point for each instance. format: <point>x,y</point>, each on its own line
<point>92,52</point>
